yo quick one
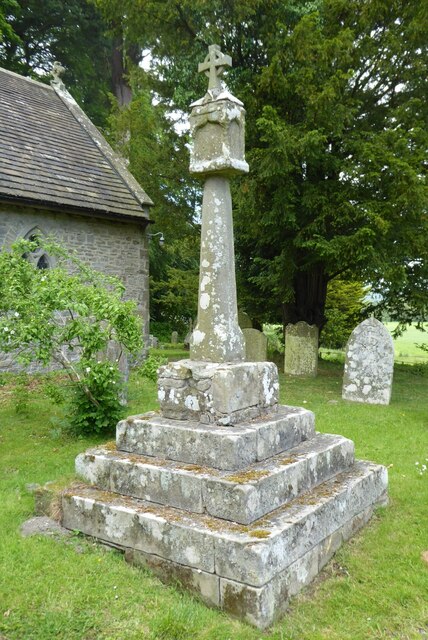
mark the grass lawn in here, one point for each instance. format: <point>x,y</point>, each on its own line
<point>375,587</point>
<point>405,346</point>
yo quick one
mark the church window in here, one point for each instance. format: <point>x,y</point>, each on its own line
<point>39,258</point>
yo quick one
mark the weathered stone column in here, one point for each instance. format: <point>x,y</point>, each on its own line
<point>217,127</point>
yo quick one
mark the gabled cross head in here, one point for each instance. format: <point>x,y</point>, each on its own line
<point>214,65</point>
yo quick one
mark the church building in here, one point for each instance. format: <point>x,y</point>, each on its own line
<point>60,178</point>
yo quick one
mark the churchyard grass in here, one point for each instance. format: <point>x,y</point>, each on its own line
<point>72,589</point>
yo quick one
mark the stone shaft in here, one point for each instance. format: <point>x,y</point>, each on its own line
<point>217,336</point>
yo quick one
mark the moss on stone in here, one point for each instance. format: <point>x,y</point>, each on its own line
<point>247,476</point>
<point>259,533</point>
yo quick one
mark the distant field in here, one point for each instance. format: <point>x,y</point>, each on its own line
<point>405,346</point>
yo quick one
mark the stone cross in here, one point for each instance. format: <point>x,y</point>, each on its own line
<point>217,129</point>
<point>214,65</point>
<point>57,71</point>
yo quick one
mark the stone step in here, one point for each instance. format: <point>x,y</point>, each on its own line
<point>221,447</point>
<point>250,571</point>
<point>241,497</point>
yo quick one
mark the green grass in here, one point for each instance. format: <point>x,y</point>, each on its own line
<point>405,346</point>
<point>406,349</point>
<point>375,588</point>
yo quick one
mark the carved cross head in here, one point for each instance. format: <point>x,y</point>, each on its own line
<point>214,65</point>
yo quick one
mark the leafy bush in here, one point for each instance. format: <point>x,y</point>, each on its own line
<point>275,338</point>
<point>68,315</point>
<point>151,365</point>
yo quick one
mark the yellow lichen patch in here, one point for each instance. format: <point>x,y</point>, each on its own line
<point>247,476</point>
<point>110,446</point>
<point>194,467</point>
<point>259,533</point>
<point>288,460</point>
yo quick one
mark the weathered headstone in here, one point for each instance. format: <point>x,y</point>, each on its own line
<point>255,345</point>
<point>244,320</point>
<point>369,364</point>
<point>301,349</point>
<point>222,453</point>
<point>153,342</point>
<point>174,337</point>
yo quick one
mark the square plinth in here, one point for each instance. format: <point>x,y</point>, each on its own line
<point>221,393</point>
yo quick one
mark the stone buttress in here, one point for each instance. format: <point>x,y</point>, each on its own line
<point>225,490</point>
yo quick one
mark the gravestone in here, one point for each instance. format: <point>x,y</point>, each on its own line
<point>369,364</point>
<point>223,489</point>
<point>301,349</point>
<point>244,320</point>
<point>255,345</point>
<point>153,342</point>
<point>174,337</point>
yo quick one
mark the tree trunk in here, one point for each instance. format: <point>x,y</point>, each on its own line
<point>310,295</point>
<point>121,54</point>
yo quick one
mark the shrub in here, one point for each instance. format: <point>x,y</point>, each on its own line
<point>68,315</point>
<point>151,365</point>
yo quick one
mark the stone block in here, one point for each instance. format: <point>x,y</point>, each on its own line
<point>301,349</point>
<point>217,446</point>
<point>287,429</point>
<point>216,392</point>
<point>218,133</point>
<point>143,526</point>
<point>249,495</point>
<point>202,584</point>
<point>369,364</point>
<point>261,606</point>
<point>193,443</point>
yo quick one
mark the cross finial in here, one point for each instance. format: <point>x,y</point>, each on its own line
<point>214,65</point>
<point>57,71</point>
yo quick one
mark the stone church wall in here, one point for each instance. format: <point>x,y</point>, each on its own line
<point>113,247</point>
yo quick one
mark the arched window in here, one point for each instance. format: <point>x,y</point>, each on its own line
<point>38,257</point>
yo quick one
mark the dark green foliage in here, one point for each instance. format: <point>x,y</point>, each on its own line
<point>35,34</point>
<point>336,140</point>
<point>158,158</point>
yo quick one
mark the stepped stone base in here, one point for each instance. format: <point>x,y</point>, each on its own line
<point>249,571</point>
<point>243,514</point>
<point>241,496</point>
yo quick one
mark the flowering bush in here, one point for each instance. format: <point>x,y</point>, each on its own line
<point>68,314</point>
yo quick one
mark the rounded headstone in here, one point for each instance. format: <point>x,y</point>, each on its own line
<point>369,364</point>
<point>244,320</point>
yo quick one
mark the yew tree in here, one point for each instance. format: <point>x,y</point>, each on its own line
<point>336,139</point>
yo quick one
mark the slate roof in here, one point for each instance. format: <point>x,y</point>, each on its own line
<point>52,155</point>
